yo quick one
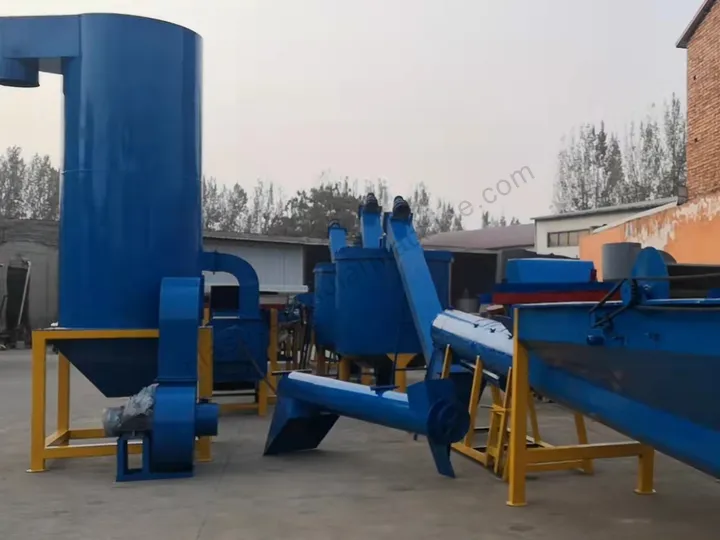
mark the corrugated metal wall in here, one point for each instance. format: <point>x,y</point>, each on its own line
<point>35,241</point>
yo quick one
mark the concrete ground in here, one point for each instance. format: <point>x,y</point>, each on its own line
<point>366,482</point>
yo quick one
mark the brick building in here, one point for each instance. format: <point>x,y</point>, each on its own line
<point>688,231</point>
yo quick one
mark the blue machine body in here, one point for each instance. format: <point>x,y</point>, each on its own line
<point>324,305</point>
<point>130,205</point>
<point>240,338</point>
<point>645,365</point>
<point>376,288</point>
<point>371,227</point>
<point>130,228</point>
<point>309,406</point>
<point>372,313</point>
<point>549,271</point>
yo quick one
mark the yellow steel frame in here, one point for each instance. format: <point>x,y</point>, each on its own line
<point>523,459</point>
<point>528,452</point>
<point>266,388</point>
<point>58,444</point>
<point>492,454</point>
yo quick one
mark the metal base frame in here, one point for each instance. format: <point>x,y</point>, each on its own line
<point>59,445</point>
<point>265,389</point>
<point>527,452</point>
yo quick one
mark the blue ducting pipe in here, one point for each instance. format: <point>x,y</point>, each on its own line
<point>308,407</point>
<point>370,222</point>
<point>337,238</point>
<point>244,273</point>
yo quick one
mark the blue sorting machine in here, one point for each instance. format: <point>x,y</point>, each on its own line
<point>360,308</point>
<point>131,221</point>
<point>642,359</point>
<point>644,364</point>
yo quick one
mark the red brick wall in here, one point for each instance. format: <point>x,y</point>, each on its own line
<point>703,148</point>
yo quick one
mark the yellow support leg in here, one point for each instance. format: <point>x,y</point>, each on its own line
<point>447,363</point>
<point>344,367</point>
<point>366,377</point>
<point>520,388</point>
<point>203,447</point>
<point>320,364</point>
<point>39,405</point>
<point>586,464</point>
<point>63,399</point>
<point>402,361</point>
<point>646,471</point>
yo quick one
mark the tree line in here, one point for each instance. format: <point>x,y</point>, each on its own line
<point>30,189</point>
<point>597,168</point>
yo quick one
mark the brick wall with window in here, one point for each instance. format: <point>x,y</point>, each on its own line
<point>703,114</point>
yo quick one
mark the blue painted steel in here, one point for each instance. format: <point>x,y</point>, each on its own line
<point>308,407</point>
<point>564,271</point>
<point>370,222</point>
<point>324,308</point>
<point>177,417</point>
<point>337,238</point>
<point>416,279</point>
<point>130,207</point>
<point>240,338</point>
<point>244,273</point>
<point>649,264</point>
<point>650,375</point>
<point>645,366</point>
<point>372,315</point>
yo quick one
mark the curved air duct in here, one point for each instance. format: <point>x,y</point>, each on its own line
<point>240,269</point>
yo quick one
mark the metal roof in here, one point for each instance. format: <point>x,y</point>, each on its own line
<point>252,237</point>
<point>695,23</point>
<point>639,206</point>
<point>485,240</point>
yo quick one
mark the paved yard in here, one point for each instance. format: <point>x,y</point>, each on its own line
<point>367,482</point>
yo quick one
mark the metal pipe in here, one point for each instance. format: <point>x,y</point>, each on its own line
<point>470,336</point>
<point>308,407</point>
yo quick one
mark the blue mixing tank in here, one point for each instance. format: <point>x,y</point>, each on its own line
<point>372,312</point>
<point>131,184</point>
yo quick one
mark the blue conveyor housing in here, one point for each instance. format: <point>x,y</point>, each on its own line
<point>419,287</point>
<point>370,222</point>
<point>337,238</point>
<point>308,407</point>
<point>646,365</point>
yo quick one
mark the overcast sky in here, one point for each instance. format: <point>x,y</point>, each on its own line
<point>453,93</point>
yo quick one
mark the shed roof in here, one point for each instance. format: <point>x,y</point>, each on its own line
<point>695,23</point>
<point>639,206</point>
<point>483,240</point>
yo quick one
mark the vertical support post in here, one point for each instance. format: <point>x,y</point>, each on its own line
<point>474,401</point>
<point>401,364</point>
<point>518,420</point>
<point>447,363</point>
<point>582,437</point>
<point>273,347</point>
<point>63,399</point>
<point>320,367</point>
<point>502,428</point>
<point>646,471</point>
<point>205,386</point>
<point>344,368</point>
<point>366,377</point>
<point>39,404</point>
